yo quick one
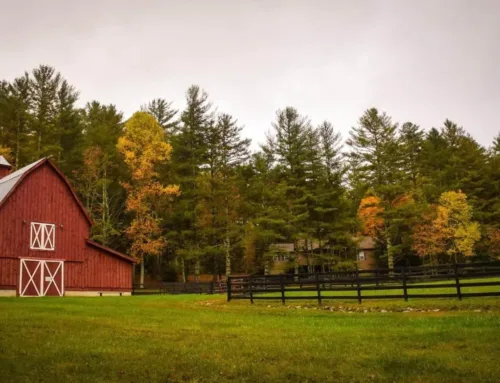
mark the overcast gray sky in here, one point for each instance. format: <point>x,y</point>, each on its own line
<point>421,61</point>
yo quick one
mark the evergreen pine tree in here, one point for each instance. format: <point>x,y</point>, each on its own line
<point>164,113</point>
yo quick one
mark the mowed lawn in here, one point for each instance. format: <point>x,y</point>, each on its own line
<point>200,338</point>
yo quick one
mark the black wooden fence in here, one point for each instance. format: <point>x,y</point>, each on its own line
<point>179,288</point>
<point>371,284</point>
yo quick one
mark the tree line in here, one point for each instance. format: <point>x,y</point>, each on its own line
<point>183,193</point>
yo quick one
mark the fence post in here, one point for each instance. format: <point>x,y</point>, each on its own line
<point>358,285</point>
<point>228,289</point>
<point>457,282</point>
<point>405,290</point>
<point>282,286</point>
<point>251,288</point>
<point>318,288</point>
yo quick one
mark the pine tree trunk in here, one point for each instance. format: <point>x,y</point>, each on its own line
<point>39,147</point>
<point>183,267</point>
<point>197,271</point>
<point>296,269</point>
<point>104,207</point>
<point>18,145</point>
<point>390,256</point>
<point>227,245</point>
<point>142,274</point>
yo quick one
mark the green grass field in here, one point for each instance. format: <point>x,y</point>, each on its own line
<point>200,338</point>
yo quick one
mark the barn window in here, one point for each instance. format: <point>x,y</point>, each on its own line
<point>361,256</point>
<point>43,236</point>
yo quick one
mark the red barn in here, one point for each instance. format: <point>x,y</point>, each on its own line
<point>44,239</point>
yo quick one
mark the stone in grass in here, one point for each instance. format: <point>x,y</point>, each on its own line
<point>436,310</point>
<point>383,311</point>
<point>477,311</point>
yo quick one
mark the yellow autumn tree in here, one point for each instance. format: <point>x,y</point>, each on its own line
<point>452,230</point>
<point>144,146</point>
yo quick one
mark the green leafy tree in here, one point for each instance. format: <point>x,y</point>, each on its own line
<point>98,179</point>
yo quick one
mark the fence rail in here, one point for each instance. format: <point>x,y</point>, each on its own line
<point>161,288</point>
<point>398,283</point>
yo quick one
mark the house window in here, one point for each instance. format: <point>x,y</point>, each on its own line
<point>42,236</point>
<point>361,256</point>
<point>281,258</point>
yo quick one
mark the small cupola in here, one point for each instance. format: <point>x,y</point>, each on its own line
<point>5,167</point>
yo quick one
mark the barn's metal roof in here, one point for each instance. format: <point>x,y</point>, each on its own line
<point>4,162</point>
<point>110,251</point>
<point>9,182</point>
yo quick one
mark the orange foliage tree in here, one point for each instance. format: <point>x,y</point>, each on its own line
<point>381,220</point>
<point>370,215</point>
<point>493,236</point>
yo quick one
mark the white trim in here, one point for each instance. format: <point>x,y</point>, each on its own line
<point>42,236</point>
<point>51,276</point>
<point>31,276</point>
<point>44,286</point>
<point>62,279</point>
<point>361,256</point>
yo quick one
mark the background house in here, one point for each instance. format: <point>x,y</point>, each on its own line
<point>287,257</point>
<point>366,259</point>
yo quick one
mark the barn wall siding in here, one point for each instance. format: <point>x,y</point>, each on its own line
<point>43,197</point>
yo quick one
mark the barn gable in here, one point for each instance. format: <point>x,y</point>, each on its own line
<point>11,182</point>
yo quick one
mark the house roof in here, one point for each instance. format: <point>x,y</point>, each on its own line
<point>366,243</point>
<point>9,183</point>
<point>110,251</point>
<point>284,247</point>
<point>4,162</point>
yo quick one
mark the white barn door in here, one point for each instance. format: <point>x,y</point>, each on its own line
<point>39,278</point>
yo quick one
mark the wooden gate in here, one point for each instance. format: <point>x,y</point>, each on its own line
<point>39,278</point>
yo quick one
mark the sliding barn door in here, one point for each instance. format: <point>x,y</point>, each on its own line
<point>39,278</point>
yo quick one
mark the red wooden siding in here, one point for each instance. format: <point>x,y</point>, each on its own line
<point>9,273</point>
<point>44,197</point>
